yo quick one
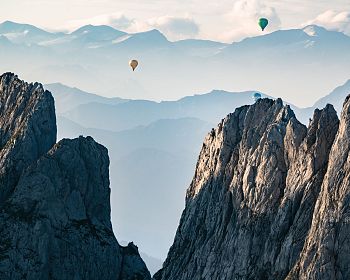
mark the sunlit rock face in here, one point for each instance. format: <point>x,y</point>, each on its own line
<point>54,198</point>
<point>269,199</point>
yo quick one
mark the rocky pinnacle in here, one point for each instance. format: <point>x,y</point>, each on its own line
<point>54,198</point>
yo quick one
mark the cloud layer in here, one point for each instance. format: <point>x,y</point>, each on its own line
<point>339,21</point>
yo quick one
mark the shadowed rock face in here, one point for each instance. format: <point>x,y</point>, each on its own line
<point>55,210</point>
<point>269,199</point>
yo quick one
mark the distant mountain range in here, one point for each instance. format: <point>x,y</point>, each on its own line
<point>68,98</point>
<point>153,149</point>
<point>312,60</point>
<point>131,113</point>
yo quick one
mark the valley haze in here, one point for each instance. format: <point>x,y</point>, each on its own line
<point>153,148</point>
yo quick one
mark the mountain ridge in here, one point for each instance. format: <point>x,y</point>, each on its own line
<point>11,26</point>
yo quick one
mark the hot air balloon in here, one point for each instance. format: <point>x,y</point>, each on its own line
<point>256,96</point>
<point>133,64</point>
<point>263,22</point>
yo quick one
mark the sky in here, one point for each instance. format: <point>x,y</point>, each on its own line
<point>220,20</point>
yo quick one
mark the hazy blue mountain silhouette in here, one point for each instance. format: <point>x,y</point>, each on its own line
<point>68,98</point>
<point>95,58</point>
<point>336,97</point>
<point>210,107</point>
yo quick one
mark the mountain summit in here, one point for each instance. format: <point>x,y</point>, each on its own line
<point>269,199</point>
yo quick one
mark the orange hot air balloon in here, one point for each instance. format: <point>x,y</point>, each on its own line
<point>133,64</point>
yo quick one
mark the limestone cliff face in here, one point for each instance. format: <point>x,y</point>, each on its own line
<point>269,199</point>
<point>54,207</point>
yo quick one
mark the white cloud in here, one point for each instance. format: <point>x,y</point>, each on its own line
<point>176,28</point>
<point>121,22</point>
<point>243,19</point>
<point>116,20</point>
<point>339,21</point>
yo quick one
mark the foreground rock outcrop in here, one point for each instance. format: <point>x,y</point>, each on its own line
<point>54,198</point>
<point>27,128</point>
<point>270,199</point>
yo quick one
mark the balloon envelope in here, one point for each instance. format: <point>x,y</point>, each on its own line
<point>256,96</point>
<point>133,64</point>
<point>263,22</point>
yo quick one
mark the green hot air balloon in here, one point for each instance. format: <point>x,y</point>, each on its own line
<point>263,22</point>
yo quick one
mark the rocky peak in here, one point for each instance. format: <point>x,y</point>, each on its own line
<point>27,128</point>
<point>55,208</point>
<point>250,207</point>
